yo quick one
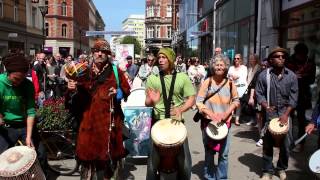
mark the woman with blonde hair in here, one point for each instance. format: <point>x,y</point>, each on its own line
<point>238,74</point>
<point>216,100</point>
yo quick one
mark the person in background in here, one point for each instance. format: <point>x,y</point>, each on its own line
<point>196,72</point>
<point>283,96</point>
<point>147,69</point>
<point>305,69</point>
<point>40,67</point>
<point>68,60</point>
<point>180,65</point>
<point>132,69</point>
<point>315,121</point>
<point>217,108</point>
<point>238,74</point>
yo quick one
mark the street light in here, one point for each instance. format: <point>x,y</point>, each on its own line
<point>44,11</point>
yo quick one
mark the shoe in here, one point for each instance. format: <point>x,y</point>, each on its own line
<point>298,148</point>
<point>282,175</point>
<point>259,143</point>
<point>236,122</point>
<point>266,176</point>
<point>251,122</point>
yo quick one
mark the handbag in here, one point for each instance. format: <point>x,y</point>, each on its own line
<point>199,116</point>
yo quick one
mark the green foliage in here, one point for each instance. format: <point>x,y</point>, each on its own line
<point>132,40</point>
<point>54,115</point>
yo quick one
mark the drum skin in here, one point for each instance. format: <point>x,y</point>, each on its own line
<point>168,137</point>
<point>314,163</point>
<point>278,131</point>
<point>19,163</point>
<point>217,132</point>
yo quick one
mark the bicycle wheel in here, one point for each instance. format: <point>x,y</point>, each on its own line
<point>61,154</point>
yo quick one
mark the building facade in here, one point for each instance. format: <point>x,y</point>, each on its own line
<point>158,24</point>
<point>135,23</point>
<point>20,27</point>
<point>96,22</point>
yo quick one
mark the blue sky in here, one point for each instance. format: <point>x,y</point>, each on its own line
<point>114,12</point>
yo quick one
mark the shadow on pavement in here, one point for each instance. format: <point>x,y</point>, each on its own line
<point>250,134</point>
<point>130,165</point>
<point>252,161</point>
<point>197,169</point>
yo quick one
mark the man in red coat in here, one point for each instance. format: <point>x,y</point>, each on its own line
<point>99,143</point>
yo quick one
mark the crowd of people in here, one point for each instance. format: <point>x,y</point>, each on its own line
<point>221,90</point>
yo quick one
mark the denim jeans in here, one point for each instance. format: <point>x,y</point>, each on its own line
<point>268,144</point>
<point>183,160</point>
<point>211,171</point>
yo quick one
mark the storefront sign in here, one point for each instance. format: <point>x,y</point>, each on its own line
<point>13,35</point>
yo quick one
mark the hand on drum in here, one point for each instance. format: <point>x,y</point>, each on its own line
<point>309,128</point>
<point>218,117</point>
<point>176,113</point>
<point>284,119</point>
<point>29,142</point>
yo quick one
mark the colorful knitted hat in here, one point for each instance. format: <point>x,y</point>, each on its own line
<point>102,44</point>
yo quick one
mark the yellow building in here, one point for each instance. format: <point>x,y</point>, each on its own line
<point>135,23</point>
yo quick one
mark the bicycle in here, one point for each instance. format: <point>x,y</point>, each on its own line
<point>60,148</point>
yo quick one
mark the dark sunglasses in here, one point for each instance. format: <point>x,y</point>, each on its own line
<point>97,50</point>
<point>150,60</point>
<point>236,58</point>
<point>278,56</point>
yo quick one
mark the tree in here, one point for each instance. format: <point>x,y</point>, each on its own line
<point>132,40</point>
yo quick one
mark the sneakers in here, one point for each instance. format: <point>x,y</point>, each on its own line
<point>259,143</point>
<point>266,176</point>
<point>282,175</point>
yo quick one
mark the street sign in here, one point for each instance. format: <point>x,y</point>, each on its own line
<point>101,33</point>
<point>12,35</point>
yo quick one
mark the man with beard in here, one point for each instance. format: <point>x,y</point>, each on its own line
<point>92,99</point>
<point>277,101</point>
<point>182,98</point>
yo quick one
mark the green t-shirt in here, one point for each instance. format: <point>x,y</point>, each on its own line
<point>16,103</point>
<point>183,88</point>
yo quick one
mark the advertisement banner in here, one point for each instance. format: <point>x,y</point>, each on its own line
<point>122,51</point>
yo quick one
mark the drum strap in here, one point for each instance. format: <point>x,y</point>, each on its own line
<point>268,86</point>
<point>167,99</point>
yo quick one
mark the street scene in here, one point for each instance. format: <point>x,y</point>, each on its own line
<point>160,89</point>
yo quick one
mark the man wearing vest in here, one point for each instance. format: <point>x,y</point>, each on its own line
<point>181,95</point>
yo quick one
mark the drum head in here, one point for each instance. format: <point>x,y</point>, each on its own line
<point>314,162</point>
<point>137,97</point>
<point>276,127</point>
<point>216,132</point>
<point>16,161</point>
<point>167,132</point>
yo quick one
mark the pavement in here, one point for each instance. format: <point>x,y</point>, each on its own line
<point>245,160</point>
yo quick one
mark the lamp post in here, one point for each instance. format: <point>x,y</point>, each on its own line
<point>44,11</point>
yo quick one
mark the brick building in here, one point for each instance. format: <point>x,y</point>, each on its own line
<point>158,24</point>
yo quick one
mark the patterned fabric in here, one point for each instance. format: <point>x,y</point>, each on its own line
<point>76,70</point>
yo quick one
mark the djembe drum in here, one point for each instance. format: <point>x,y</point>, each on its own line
<point>314,163</point>
<point>168,136</point>
<point>20,163</point>
<point>217,131</point>
<point>278,131</point>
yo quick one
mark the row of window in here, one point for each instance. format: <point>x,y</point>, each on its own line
<point>63,30</point>
<point>15,11</point>
<point>154,11</point>
<point>154,32</point>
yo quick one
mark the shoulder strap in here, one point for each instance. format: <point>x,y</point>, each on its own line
<point>115,70</point>
<point>208,97</point>
<point>268,86</point>
<point>167,99</point>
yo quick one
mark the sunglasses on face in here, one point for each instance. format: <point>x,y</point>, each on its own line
<point>236,58</point>
<point>150,60</point>
<point>278,56</point>
<point>98,50</point>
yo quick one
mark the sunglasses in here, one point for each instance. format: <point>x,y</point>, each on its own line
<point>97,50</point>
<point>236,58</point>
<point>278,56</point>
<point>197,61</point>
<point>150,59</point>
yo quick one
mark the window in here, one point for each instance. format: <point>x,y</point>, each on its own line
<point>64,30</point>
<point>169,31</point>
<point>169,11</point>
<point>1,8</point>
<point>33,16</point>
<point>47,29</point>
<point>150,32</point>
<point>158,32</point>
<point>157,11</point>
<point>151,11</point>
<point>64,8</point>
<point>15,12</point>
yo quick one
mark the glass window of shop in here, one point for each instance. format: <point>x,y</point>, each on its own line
<point>303,25</point>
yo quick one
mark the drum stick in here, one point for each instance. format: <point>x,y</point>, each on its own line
<point>300,139</point>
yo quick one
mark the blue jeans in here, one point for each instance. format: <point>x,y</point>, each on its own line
<point>211,171</point>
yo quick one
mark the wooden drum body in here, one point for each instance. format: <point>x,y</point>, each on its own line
<point>20,163</point>
<point>217,131</point>
<point>314,163</point>
<point>278,131</point>
<point>168,137</point>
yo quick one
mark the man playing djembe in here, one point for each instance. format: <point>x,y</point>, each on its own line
<point>277,102</point>
<point>163,102</point>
